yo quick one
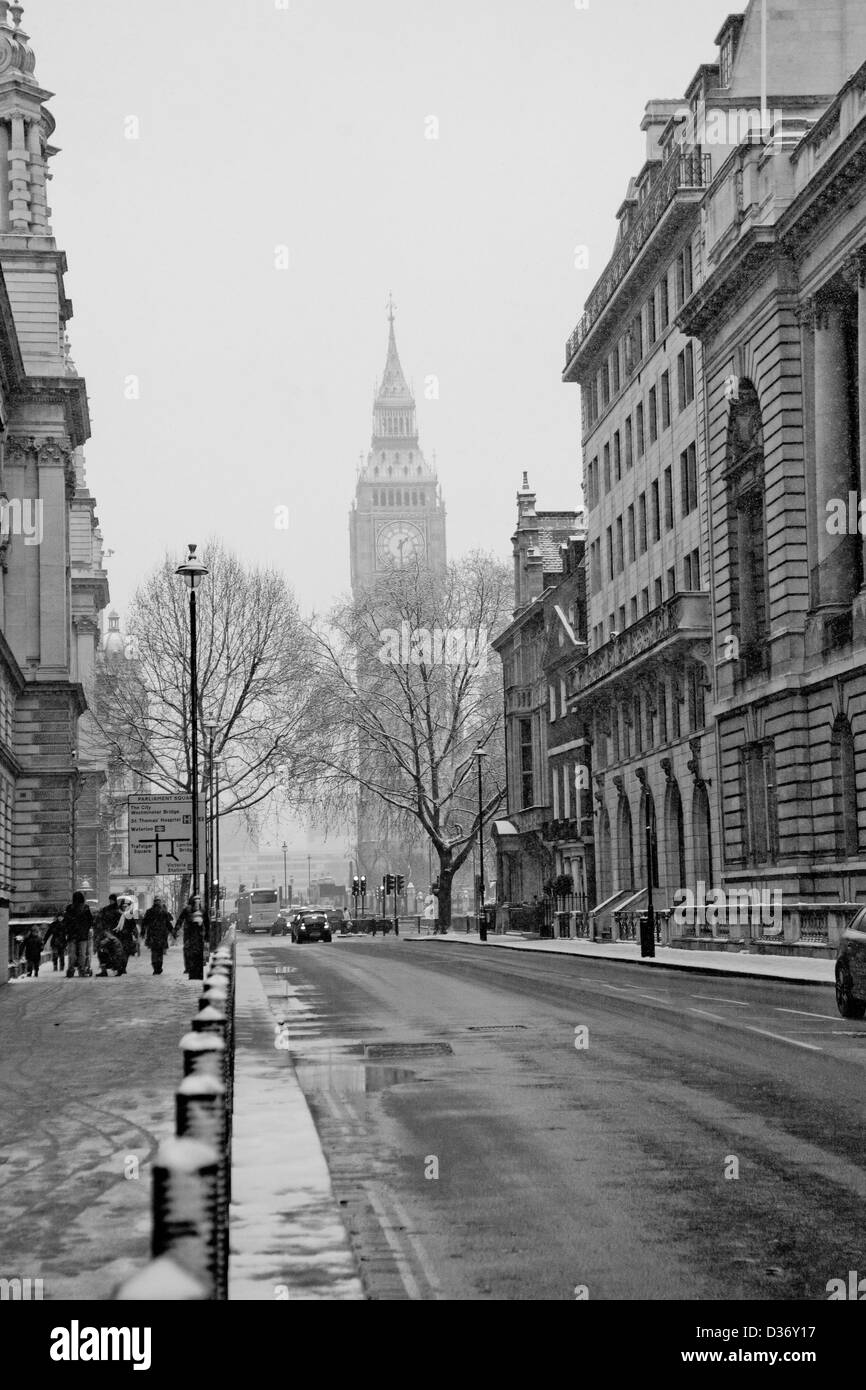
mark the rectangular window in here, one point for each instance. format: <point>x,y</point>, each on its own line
<point>605,386</point>
<point>593,473</point>
<point>611,624</point>
<point>669,499</point>
<point>552,703</point>
<point>663,713</point>
<point>622,617</point>
<point>641,523</point>
<point>614,730</point>
<point>563,699</point>
<point>676,713</point>
<point>651,318</point>
<point>617,457</point>
<point>654,511</point>
<point>620,548</point>
<point>610,552</point>
<point>689,479</point>
<point>672,581</point>
<point>638,337</point>
<point>681,381</point>
<point>664,305</point>
<point>684,275</point>
<point>657,593</point>
<point>526,766</point>
<point>644,601</point>
<point>653,416</point>
<point>640,430</point>
<point>666,400</point>
<point>631,533</point>
<point>638,725</point>
<point>626,731</point>
<point>554,777</point>
<point>629,458</point>
<point>633,611</point>
<point>696,569</point>
<point>758,791</point>
<point>687,574</point>
<point>614,363</point>
<point>606,457</point>
<point>595,565</point>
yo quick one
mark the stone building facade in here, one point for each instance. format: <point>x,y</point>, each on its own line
<point>720,363</point>
<point>525,842</point>
<point>44,423</point>
<point>781,316</point>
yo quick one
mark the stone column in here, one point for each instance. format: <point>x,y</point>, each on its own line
<point>834,587</point>
<point>859,267</point>
<point>19,177</point>
<point>38,203</point>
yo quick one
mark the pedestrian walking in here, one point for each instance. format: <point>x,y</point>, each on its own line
<point>196,931</point>
<point>55,937</point>
<point>128,928</point>
<point>32,951</point>
<point>77,926</point>
<point>157,929</point>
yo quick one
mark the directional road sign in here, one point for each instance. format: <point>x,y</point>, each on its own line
<point>160,835</point>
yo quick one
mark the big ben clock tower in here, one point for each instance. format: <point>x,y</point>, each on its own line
<point>397,516</point>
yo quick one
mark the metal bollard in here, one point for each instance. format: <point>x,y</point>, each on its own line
<point>210,1020</point>
<point>163,1280</point>
<point>203,1052</point>
<point>200,1108</point>
<point>185,1210</point>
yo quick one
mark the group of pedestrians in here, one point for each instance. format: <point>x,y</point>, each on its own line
<point>117,937</point>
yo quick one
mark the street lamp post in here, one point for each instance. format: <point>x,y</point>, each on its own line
<point>210,734</point>
<point>193,572</point>
<point>309,881</point>
<point>648,928</point>
<point>285,873</point>
<point>479,755</point>
<point>216,774</point>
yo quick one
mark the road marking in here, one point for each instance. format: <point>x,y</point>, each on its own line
<point>720,999</point>
<point>420,1252</point>
<point>705,1013</point>
<point>804,1014</point>
<point>408,1279</point>
<point>780,1037</point>
<point>653,997</point>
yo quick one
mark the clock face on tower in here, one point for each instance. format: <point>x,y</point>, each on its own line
<point>399,543</point>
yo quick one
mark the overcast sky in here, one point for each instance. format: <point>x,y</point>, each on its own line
<point>261,127</point>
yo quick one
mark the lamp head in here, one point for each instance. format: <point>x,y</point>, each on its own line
<point>192,571</point>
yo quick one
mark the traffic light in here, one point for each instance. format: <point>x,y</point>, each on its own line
<point>401,883</point>
<point>356,888</point>
<point>389,882</point>
<point>363,885</point>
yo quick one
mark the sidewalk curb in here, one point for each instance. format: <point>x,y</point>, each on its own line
<point>287,1237</point>
<point>652,964</point>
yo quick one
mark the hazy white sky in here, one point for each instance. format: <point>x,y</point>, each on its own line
<point>304,126</point>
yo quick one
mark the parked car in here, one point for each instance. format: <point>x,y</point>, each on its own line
<point>851,969</point>
<point>310,926</point>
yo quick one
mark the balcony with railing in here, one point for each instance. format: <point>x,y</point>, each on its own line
<point>682,180</point>
<point>683,619</point>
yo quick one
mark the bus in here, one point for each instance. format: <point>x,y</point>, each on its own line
<point>258,909</point>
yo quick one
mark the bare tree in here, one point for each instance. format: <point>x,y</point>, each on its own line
<point>253,681</point>
<point>407,692</point>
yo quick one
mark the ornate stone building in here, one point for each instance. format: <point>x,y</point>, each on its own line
<point>397,516</point>
<point>541,833</point>
<point>781,315</point>
<point>720,358</point>
<point>44,423</point>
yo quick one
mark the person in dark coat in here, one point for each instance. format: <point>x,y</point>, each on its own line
<point>157,930</point>
<point>196,933</point>
<point>32,950</point>
<point>109,948</point>
<point>128,928</point>
<point>77,926</point>
<point>55,937</point>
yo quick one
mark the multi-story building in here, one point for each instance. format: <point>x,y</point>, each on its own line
<point>397,517</point>
<point>707,587</point>
<point>640,688</point>
<point>781,316</point>
<point>43,422</point>
<point>546,555</point>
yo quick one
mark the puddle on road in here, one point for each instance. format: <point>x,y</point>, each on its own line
<point>349,1078</point>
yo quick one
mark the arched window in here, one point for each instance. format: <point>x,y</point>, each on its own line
<point>605,874</point>
<point>844,789</point>
<point>701,835</point>
<point>624,845</point>
<point>675,840</point>
<point>414,499</point>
